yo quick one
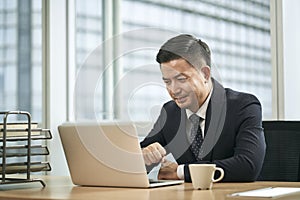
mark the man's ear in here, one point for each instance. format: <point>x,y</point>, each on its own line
<point>206,72</point>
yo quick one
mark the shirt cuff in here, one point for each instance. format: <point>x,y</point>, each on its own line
<point>180,172</point>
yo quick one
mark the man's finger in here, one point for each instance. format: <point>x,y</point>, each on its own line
<point>165,162</point>
<point>163,159</point>
<point>147,156</point>
<point>151,157</point>
<point>161,150</point>
<point>153,153</point>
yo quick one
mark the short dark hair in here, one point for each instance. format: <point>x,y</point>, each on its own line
<point>185,46</point>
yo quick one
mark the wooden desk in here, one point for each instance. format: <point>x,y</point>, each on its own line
<point>62,188</point>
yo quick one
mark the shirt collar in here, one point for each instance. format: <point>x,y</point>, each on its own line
<point>202,110</point>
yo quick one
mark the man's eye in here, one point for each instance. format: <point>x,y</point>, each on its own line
<point>167,82</point>
<point>182,79</point>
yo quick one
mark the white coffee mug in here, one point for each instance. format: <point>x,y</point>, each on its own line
<point>202,175</point>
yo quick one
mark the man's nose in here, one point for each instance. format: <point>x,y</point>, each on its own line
<point>174,88</point>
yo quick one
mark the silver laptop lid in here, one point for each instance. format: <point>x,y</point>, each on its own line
<point>103,155</point>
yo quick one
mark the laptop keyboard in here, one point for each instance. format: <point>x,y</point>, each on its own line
<point>156,181</point>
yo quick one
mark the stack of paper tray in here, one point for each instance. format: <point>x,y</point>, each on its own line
<point>22,150</point>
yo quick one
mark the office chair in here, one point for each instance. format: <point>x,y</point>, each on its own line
<point>282,158</point>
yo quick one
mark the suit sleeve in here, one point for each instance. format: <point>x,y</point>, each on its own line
<point>155,134</point>
<point>249,150</point>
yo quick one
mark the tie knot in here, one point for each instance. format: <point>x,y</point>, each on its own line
<point>195,119</point>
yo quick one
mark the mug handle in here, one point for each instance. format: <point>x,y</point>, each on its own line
<point>221,176</point>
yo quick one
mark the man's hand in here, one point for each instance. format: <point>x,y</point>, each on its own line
<point>168,170</point>
<point>153,153</point>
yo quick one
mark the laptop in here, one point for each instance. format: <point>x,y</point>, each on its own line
<point>106,155</point>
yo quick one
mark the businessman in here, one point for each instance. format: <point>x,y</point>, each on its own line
<point>205,122</point>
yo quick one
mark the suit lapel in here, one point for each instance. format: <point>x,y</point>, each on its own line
<point>215,118</point>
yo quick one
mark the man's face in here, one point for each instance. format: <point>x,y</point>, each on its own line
<point>186,85</point>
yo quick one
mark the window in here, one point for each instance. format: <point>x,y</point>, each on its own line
<point>21,56</point>
<point>238,33</point>
<point>88,36</point>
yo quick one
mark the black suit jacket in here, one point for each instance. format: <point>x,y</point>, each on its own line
<point>234,138</point>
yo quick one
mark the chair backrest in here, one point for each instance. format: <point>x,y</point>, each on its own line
<point>282,158</point>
